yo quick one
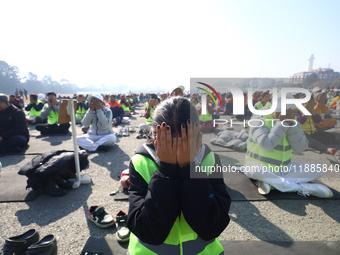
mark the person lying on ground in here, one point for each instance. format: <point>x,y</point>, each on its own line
<point>169,212</point>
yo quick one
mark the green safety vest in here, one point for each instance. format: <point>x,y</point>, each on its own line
<point>131,100</point>
<point>205,117</point>
<point>33,112</point>
<point>52,117</point>
<point>279,156</point>
<point>259,105</point>
<point>149,120</point>
<point>182,239</point>
<point>81,111</point>
<point>125,108</point>
<point>329,94</point>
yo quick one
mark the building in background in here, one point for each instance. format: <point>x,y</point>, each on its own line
<point>321,73</point>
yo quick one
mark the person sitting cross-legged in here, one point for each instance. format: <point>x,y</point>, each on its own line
<point>82,107</point>
<point>13,129</point>
<point>51,112</point>
<point>117,110</point>
<point>34,107</point>
<point>99,120</point>
<point>269,151</point>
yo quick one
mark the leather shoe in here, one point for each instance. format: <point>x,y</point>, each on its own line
<point>53,189</point>
<point>45,246</point>
<point>18,244</point>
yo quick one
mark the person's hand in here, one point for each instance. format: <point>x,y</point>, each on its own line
<point>92,106</point>
<point>188,144</point>
<point>151,102</point>
<point>166,145</point>
<point>290,114</point>
<point>1,139</point>
<point>50,102</point>
<point>98,105</point>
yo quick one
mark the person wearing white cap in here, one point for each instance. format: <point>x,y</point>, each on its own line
<point>269,150</point>
<point>99,120</point>
<point>178,91</point>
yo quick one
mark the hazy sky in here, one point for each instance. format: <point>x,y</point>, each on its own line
<point>163,43</point>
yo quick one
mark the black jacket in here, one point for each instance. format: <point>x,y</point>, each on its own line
<point>38,107</point>
<point>50,163</point>
<point>13,122</point>
<point>154,207</point>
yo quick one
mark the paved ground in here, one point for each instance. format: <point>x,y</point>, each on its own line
<point>65,217</point>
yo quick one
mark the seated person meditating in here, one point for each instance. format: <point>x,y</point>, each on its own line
<point>51,112</point>
<point>117,110</point>
<point>13,128</point>
<point>169,212</point>
<point>82,107</point>
<point>34,107</point>
<point>99,120</point>
<point>269,151</point>
<point>316,138</point>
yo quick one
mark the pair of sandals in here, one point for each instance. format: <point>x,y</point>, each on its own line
<point>125,132</point>
<point>29,242</point>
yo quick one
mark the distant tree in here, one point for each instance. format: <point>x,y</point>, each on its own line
<point>310,80</point>
<point>336,83</point>
<point>9,78</point>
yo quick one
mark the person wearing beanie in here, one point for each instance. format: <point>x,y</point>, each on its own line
<point>13,128</point>
<point>98,118</point>
<point>51,112</point>
<point>34,107</point>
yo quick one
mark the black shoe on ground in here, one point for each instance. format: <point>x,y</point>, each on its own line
<point>47,246</point>
<point>62,183</point>
<point>53,189</point>
<point>123,233</point>
<point>103,148</point>
<point>18,244</point>
<point>100,217</point>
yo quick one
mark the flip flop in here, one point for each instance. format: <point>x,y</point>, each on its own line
<point>132,129</point>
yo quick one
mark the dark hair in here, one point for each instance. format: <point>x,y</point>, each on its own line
<point>265,93</point>
<point>174,111</point>
<point>34,96</point>
<point>51,93</point>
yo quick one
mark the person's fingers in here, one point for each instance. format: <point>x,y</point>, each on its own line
<point>184,137</point>
<point>158,133</point>
<point>174,142</point>
<point>163,134</point>
<point>195,134</point>
<point>156,144</point>
<point>168,138</point>
<point>179,143</point>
